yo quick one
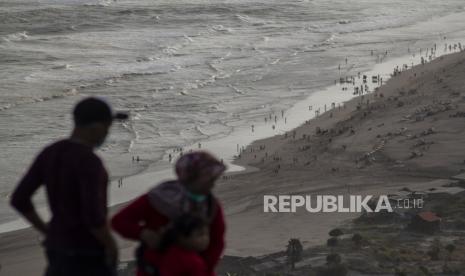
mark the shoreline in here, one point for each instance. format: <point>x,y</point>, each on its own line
<point>240,194</point>
<point>157,165</point>
<point>319,100</point>
<point>240,136</point>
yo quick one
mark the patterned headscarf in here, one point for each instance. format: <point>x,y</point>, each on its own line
<point>191,166</point>
<point>171,198</point>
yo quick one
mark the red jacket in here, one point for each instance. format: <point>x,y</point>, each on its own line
<point>139,214</point>
<point>177,261</point>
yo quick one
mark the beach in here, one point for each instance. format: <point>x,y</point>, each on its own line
<point>409,135</point>
<point>406,134</point>
<point>213,68</point>
<point>267,87</point>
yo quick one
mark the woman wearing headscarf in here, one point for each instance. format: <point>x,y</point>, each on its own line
<point>146,217</point>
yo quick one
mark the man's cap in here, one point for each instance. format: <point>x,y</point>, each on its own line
<point>93,110</point>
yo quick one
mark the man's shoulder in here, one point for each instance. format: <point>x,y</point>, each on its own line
<point>75,150</point>
<point>52,148</point>
<point>58,145</point>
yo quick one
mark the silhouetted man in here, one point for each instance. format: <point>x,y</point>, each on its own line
<point>77,238</point>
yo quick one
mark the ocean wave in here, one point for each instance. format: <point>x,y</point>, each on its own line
<point>137,116</point>
<point>314,28</point>
<point>188,38</point>
<point>99,4</point>
<point>31,100</point>
<point>7,106</point>
<point>331,39</point>
<point>19,36</point>
<point>250,20</point>
<point>202,131</point>
<point>192,133</point>
<point>67,93</point>
<point>236,90</point>
<point>213,67</point>
<point>242,18</point>
<point>322,45</point>
<point>275,61</point>
<point>193,86</point>
<point>129,126</point>
<point>138,74</point>
<point>116,78</point>
<point>145,59</point>
<point>171,50</point>
<point>221,28</point>
<point>63,66</point>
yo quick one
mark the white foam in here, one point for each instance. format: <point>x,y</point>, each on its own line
<point>63,66</point>
<point>19,36</point>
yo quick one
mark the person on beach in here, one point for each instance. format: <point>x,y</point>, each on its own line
<point>179,253</point>
<point>146,217</point>
<point>77,238</point>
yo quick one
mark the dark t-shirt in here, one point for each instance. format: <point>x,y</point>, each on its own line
<point>76,184</point>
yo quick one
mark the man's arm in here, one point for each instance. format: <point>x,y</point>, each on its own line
<point>37,222</point>
<point>103,235</point>
<point>22,195</point>
<point>93,198</point>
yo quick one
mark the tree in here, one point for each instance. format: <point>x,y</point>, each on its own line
<point>333,267</point>
<point>294,251</point>
<point>333,259</point>
<point>357,240</point>
<point>425,271</point>
<point>435,250</point>
<point>336,232</point>
<point>450,249</point>
<point>332,242</point>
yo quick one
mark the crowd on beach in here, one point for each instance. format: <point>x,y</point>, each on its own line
<point>362,85</point>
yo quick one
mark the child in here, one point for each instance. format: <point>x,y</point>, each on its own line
<point>180,247</point>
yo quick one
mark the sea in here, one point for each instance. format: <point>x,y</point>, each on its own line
<point>187,72</point>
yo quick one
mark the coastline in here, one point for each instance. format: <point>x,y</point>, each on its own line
<point>240,134</point>
<point>242,193</point>
<point>336,170</point>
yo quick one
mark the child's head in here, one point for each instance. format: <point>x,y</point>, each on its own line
<point>188,231</point>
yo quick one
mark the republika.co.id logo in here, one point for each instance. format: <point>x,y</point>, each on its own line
<point>336,203</point>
